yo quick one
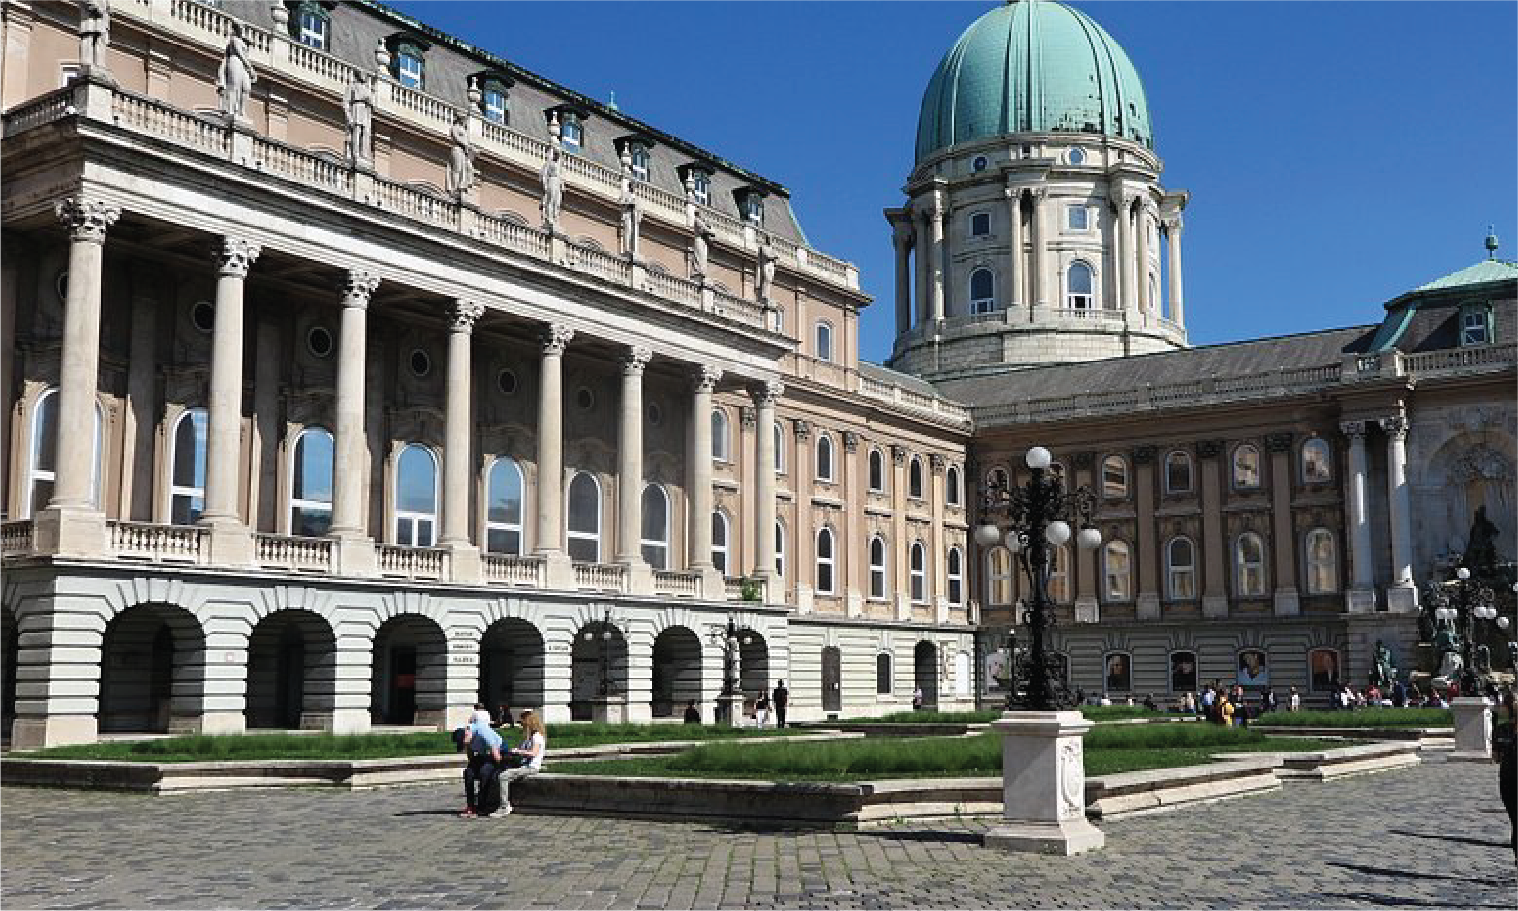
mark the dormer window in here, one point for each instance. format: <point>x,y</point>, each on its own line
<point>635,151</point>
<point>751,204</point>
<point>697,179</point>
<point>1475,324</point>
<point>408,65</point>
<point>311,25</point>
<point>571,131</point>
<point>493,101</point>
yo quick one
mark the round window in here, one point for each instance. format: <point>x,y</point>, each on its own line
<point>203,315</point>
<point>979,164</point>
<point>585,399</point>
<point>1077,156</point>
<point>655,414</point>
<point>421,364</point>
<point>506,381</point>
<point>319,341</point>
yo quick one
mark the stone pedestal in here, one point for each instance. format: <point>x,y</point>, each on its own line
<point>1473,729</point>
<point>1214,607</point>
<point>37,732</point>
<point>1360,602</point>
<point>464,563</point>
<point>355,556</point>
<point>730,710</point>
<point>1287,603</point>
<point>68,532</point>
<point>209,723</point>
<point>608,709</point>
<point>231,544</point>
<point>1402,600</point>
<point>640,579</point>
<point>1147,607</point>
<point>1044,785</point>
<point>337,721</point>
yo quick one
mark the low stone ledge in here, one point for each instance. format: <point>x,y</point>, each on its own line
<point>1159,790</point>
<point>1322,765</point>
<point>727,801</point>
<point>1280,730</point>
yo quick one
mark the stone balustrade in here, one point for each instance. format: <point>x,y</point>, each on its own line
<point>399,562</point>
<point>677,584</point>
<point>158,543</point>
<point>914,400</point>
<point>293,553</point>
<point>16,537</point>
<point>600,577</point>
<point>501,569</point>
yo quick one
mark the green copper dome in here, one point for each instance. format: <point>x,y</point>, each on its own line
<point>1032,66</point>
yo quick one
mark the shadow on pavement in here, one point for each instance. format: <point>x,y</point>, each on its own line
<point>425,813</point>
<point>1461,839</point>
<point>1414,874</point>
<point>965,838</point>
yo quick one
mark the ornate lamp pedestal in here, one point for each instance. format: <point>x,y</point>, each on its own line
<point>730,709</point>
<point>1044,785</point>
<point>608,709</point>
<point>1473,729</point>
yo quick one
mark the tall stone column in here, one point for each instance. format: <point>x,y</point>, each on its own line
<point>924,266</point>
<point>1125,252</point>
<point>630,463</point>
<point>1361,598</point>
<point>1016,268</point>
<point>938,548</point>
<point>230,539</point>
<point>550,499</point>
<point>939,274</point>
<point>1287,603</point>
<point>901,548</point>
<point>1141,263</point>
<point>1147,558</point>
<point>350,450</point>
<point>1402,596</point>
<point>136,502</point>
<point>1088,578</point>
<point>1215,544</point>
<point>1040,290</point>
<point>901,239</point>
<point>72,523</point>
<point>458,479</point>
<point>1175,292</point>
<point>698,537</point>
<point>765,396</point>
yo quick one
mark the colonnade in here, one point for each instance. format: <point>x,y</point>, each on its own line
<point>71,523</point>
<point>1402,593</point>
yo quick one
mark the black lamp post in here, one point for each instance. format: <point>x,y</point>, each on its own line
<point>729,639</point>
<point>603,688</point>
<point>1037,517</point>
<point>1462,602</point>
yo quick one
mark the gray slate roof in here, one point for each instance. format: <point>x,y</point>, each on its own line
<point>1121,373</point>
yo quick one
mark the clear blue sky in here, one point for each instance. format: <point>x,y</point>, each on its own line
<point>1337,153</point>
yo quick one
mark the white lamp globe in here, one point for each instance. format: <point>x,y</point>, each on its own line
<point>987,535</point>
<point>1088,538</point>
<point>1057,532</point>
<point>1462,574</point>
<point>1014,542</point>
<point>1502,623</point>
<point>1038,457</point>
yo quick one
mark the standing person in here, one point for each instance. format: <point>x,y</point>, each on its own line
<point>529,752</point>
<point>1294,703</point>
<point>781,697</point>
<point>1225,711</point>
<point>917,699</point>
<point>1505,746</point>
<point>692,714</point>
<point>761,709</point>
<point>1398,694</point>
<point>482,793</point>
<point>480,715</point>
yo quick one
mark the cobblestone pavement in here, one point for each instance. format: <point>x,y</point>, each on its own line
<point>1431,836</point>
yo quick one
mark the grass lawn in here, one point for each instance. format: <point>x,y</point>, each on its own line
<point>1362,718</point>
<point>1092,712</point>
<point>203,748</point>
<point>1108,750</point>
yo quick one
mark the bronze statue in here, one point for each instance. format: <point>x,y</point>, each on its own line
<point>1481,547</point>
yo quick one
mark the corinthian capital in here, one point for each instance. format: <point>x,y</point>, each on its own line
<point>634,359</point>
<point>464,314</point>
<point>767,392</point>
<point>705,377</point>
<point>86,219</point>
<point>1352,429</point>
<point>235,256</point>
<point>358,286</point>
<point>556,338</point>
<point>1394,425</point>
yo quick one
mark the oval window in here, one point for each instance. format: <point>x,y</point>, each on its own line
<point>421,364</point>
<point>319,341</point>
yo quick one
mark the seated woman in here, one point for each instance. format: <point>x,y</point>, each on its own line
<point>529,753</point>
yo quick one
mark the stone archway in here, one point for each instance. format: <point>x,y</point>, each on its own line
<point>152,670</point>
<point>598,666</point>
<point>292,657</point>
<point>676,672</point>
<point>753,665</point>
<point>408,683</point>
<point>511,667</point>
<point>925,673</point>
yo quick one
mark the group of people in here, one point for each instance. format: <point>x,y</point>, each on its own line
<point>492,767</point>
<point>1398,695</point>
<point>779,700</point>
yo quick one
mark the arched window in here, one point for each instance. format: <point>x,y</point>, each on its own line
<point>719,540</point>
<point>1317,461</point>
<point>956,575</point>
<point>883,674</point>
<point>1322,562</point>
<point>722,450</point>
<point>999,576</point>
<point>951,486</point>
<point>780,552</point>
<point>824,457</point>
<point>825,560</point>
<point>1078,294</point>
<point>1249,565</point>
<point>1246,467</point>
<point>1117,569</point>
<point>44,454</point>
<point>311,483</point>
<point>1180,569</point>
<point>1114,478</point>
<point>982,291</point>
<point>187,473</point>
<point>655,527</point>
<point>877,471</point>
<point>914,479</point>
<point>584,527</point>
<point>998,478</point>
<point>1058,586</point>
<point>1178,472</point>
<point>416,497</point>
<point>919,571</point>
<point>824,341</point>
<point>779,438</point>
<point>503,507</point>
<point>877,567</point>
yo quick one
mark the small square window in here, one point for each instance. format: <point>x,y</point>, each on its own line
<point>313,29</point>
<point>701,186</point>
<point>1475,326</point>
<point>980,224</point>
<point>408,69</point>
<point>1078,218</point>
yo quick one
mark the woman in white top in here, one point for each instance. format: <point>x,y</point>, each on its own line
<point>530,752</point>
